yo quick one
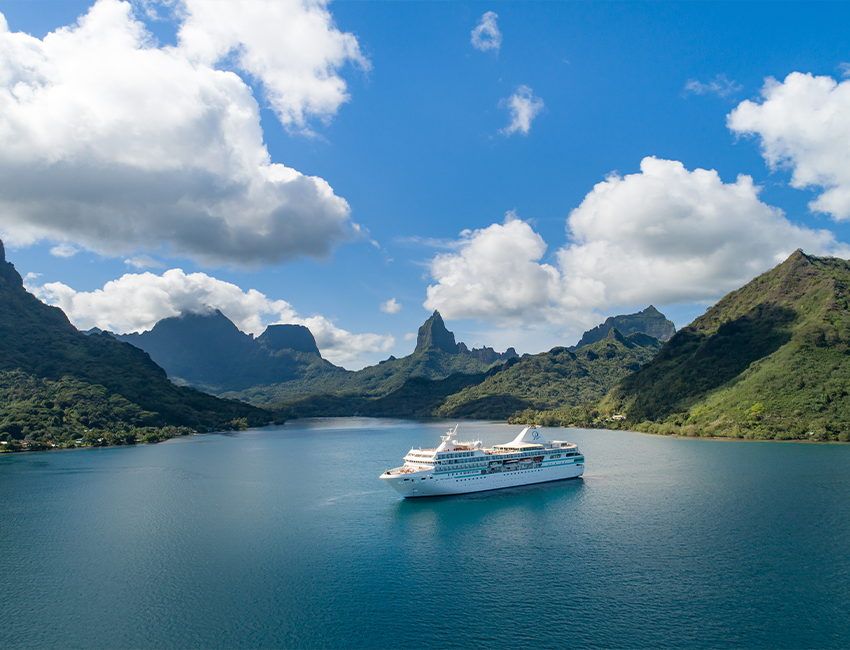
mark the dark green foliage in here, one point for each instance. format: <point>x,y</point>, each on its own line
<point>369,383</point>
<point>649,321</point>
<point>40,342</point>
<point>417,397</point>
<point>555,378</point>
<point>558,378</point>
<point>40,413</point>
<point>768,361</point>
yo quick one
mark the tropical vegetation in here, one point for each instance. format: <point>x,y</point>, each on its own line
<point>53,378</point>
<point>768,361</point>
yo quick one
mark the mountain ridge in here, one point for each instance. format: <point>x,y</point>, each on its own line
<point>649,321</point>
<point>207,351</point>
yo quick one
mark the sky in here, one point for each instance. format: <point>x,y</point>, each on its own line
<point>526,168</point>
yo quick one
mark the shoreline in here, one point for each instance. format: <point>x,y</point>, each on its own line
<point>643,433</point>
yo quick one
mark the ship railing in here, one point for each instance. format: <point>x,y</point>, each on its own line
<point>401,470</point>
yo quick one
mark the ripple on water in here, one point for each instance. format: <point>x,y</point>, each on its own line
<point>285,537</point>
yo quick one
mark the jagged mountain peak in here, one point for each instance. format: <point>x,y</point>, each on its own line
<point>649,321</point>
<point>433,334</point>
<point>288,337</point>
<point>210,352</point>
<point>615,335</point>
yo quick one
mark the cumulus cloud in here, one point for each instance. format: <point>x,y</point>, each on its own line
<point>136,302</point>
<point>720,86</point>
<point>293,47</point>
<point>523,107</point>
<point>64,250</point>
<point>671,235</point>
<point>845,69</point>
<point>112,143</point>
<point>486,35</point>
<point>390,306</point>
<point>804,125</point>
<point>495,274</point>
<point>661,236</point>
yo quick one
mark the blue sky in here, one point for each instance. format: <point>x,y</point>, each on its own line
<point>352,166</point>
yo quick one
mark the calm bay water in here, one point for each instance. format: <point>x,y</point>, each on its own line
<point>284,537</point>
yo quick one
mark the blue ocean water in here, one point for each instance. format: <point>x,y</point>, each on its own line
<point>284,537</point>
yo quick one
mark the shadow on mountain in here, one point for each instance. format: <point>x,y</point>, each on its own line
<point>694,363</point>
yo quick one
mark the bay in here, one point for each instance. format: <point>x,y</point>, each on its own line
<point>284,537</point>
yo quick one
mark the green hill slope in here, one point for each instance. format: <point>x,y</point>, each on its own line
<point>39,343</point>
<point>555,379</point>
<point>769,361</point>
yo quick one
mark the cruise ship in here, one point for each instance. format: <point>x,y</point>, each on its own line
<point>461,467</point>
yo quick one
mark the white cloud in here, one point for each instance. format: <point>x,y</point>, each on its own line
<point>136,302</point>
<point>293,47</point>
<point>390,306</point>
<point>486,35</point>
<point>662,236</point>
<point>720,86</point>
<point>143,262</point>
<point>410,336</point>
<point>671,235</point>
<point>804,125</point>
<point>523,107</point>
<point>112,143</point>
<point>845,69</point>
<point>341,347</point>
<point>64,249</point>
<point>495,274</point>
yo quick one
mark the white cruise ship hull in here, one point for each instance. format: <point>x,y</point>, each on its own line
<point>428,484</point>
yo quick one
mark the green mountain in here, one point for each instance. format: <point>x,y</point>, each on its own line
<point>770,360</point>
<point>557,378</point>
<point>437,356</point>
<point>649,321</point>
<point>208,352</point>
<point>46,363</point>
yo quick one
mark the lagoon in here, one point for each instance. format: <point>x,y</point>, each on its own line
<point>285,537</point>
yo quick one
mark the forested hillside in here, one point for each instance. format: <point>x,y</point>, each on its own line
<point>47,362</point>
<point>770,360</point>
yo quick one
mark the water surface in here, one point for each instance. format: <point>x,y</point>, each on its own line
<point>284,537</point>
